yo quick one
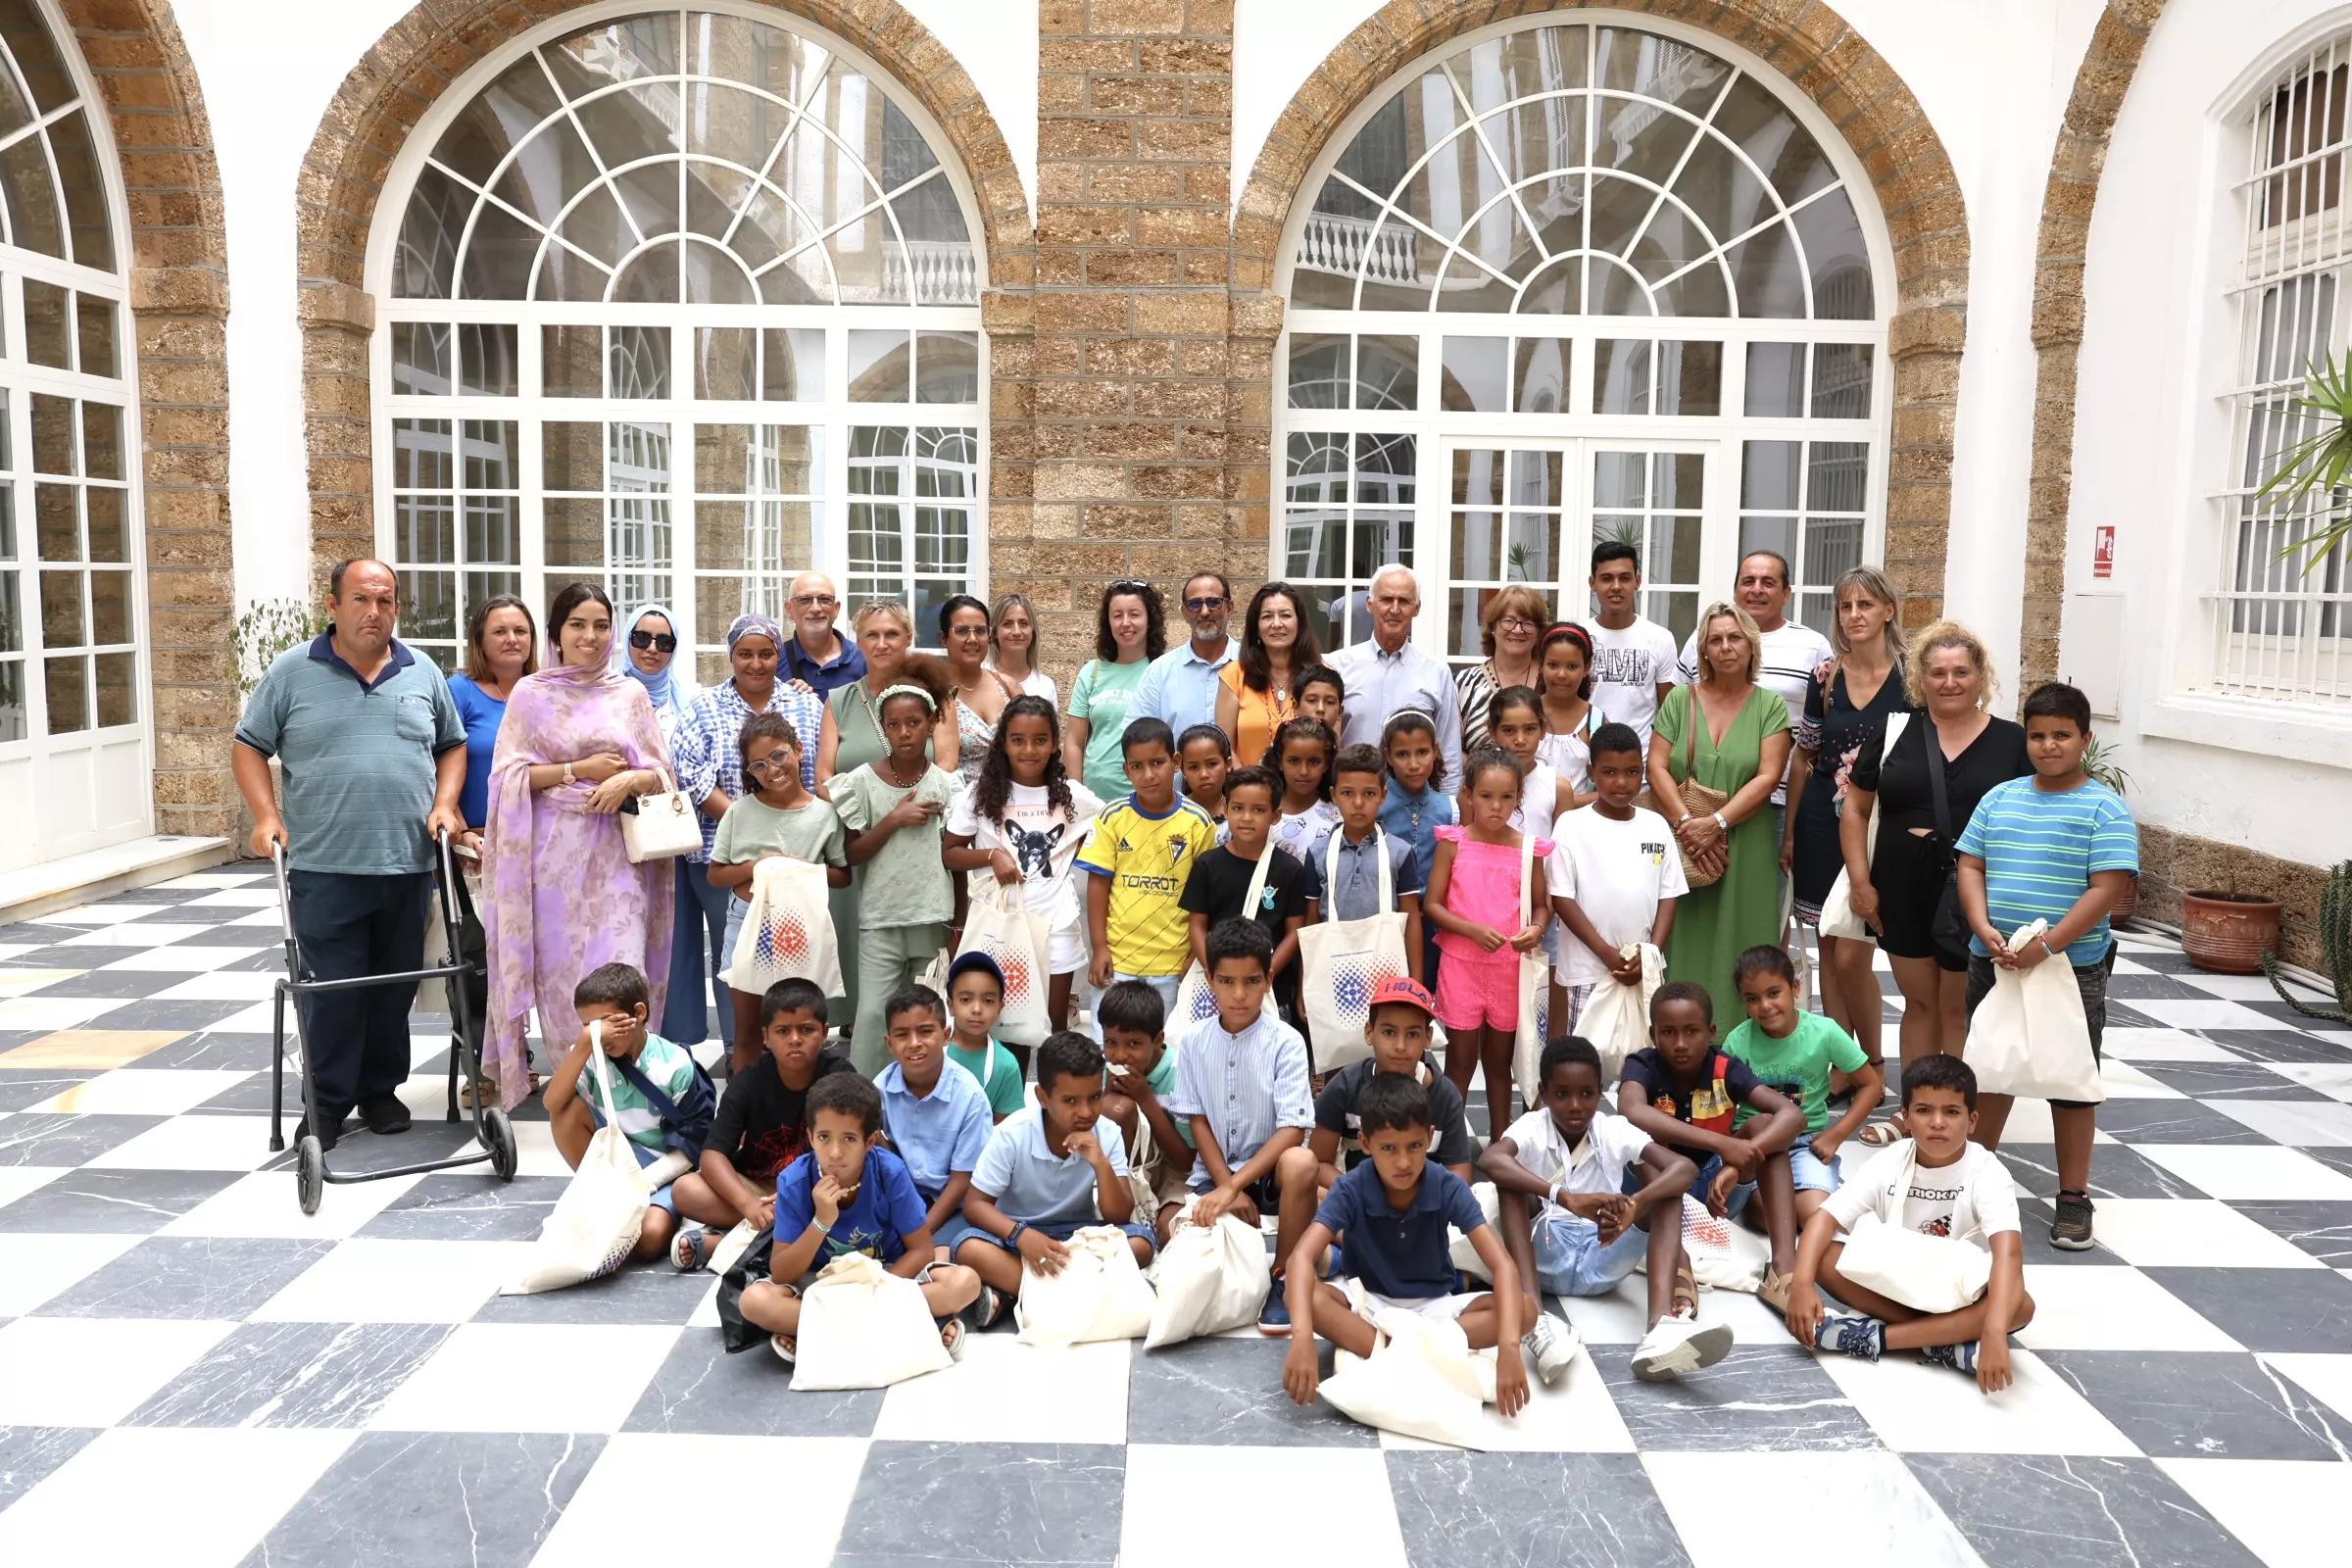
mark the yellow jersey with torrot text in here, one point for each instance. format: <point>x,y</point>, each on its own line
<point>1148,859</point>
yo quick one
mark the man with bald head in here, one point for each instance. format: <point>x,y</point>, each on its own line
<point>819,655</point>
<point>371,752</point>
<point>1388,675</point>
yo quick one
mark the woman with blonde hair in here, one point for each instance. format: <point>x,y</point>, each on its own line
<point>1731,736</point>
<point>1508,628</point>
<point>1847,706</point>
<point>1947,673</point>
<point>1012,646</point>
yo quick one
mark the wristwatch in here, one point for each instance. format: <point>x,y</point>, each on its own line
<point>568,778</point>
<point>1019,1226</point>
<point>1721,826</point>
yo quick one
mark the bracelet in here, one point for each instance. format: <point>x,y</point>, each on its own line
<point>1019,1226</point>
<point>821,1229</point>
<point>1721,826</point>
<point>568,778</point>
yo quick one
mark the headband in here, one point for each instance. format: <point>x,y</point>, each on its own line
<point>902,689</point>
<point>745,625</point>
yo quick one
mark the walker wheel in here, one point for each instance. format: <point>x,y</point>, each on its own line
<point>310,1173</point>
<point>499,1132</point>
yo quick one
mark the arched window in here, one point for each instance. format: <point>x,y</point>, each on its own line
<point>686,303</point>
<point>74,770</point>
<point>1569,282</point>
<point>2278,620</point>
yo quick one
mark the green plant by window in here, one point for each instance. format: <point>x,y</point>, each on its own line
<point>2098,760</point>
<point>2320,464</point>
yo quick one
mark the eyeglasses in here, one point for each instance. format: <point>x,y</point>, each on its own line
<point>773,761</point>
<point>661,642</point>
<point>1200,606</point>
<point>815,601</point>
<point>1516,623</point>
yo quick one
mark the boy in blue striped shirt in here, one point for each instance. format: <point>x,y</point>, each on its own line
<point>2058,847</point>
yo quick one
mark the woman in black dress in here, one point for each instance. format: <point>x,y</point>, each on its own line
<point>1848,704</point>
<point>1951,675</point>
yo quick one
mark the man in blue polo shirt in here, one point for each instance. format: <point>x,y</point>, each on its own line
<point>819,655</point>
<point>1181,686</point>
<point>372,754</point>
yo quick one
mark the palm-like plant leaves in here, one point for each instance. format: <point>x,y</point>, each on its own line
<point>2321,461</point>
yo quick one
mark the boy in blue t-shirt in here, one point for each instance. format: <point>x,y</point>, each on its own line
<point>2059,847</point>
<point>1395,1209</point>
<point>845,1196</point>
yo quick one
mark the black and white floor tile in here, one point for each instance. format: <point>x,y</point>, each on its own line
<point>349,1389</point>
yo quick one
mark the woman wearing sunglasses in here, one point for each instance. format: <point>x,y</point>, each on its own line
<point>647,654</point>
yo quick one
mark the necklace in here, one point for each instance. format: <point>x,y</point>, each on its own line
<point>896,781</point>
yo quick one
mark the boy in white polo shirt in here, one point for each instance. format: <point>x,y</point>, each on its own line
<point>1614,873</point>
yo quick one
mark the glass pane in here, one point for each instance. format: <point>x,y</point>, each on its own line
<point>1620,479</point>
<point>110,607</point>
<point>420,352</point>
<point>1540,375</point>
<point>1673,555</point>
<point>108,526</point>
<point>1832,547</point>
<point>1529,549</point>
<point>94,319</point>
<point>1690,379</point>
<point>102,441</point>
<point>493,530</point>
<point>12,726</point>
<point>424,266</point>
<point>639,361</point>
<point>32,217</point>
<point>429,606</point>
<point>1474,374</point>
<point>487,355</point>
<point>652,278</point>
<point>499,256</point>
<point>947,367</point>
<point>60,610</point>
<point>56,532</point>
<point>791,366</point>
<point>1765,271</point>
<point>1838,259</point>
<point>1835,475</point>
<point>572,455</point>
<point>570,362</point>
<point>1478,477</point>
<point>1768,473</point>
<point>1477,542</point>
<point>67,682</point>
<point>878,366</point>
<point>1388,373</point>
<point>1678,612</point>
<point>45,327</point>
<point>574,531</point>
<point>1621,375</point>
<point>725,363</point>
<point>86,194</point>
<point>1677,480</point>
<point>1841,381</point>
<point>421,455</point>
<point>1776,380</point>
<point>1319,370</point>
<point>492,455</point>
<point>12,616</point>
<point>425,528</point>
<point>1384,471</point>
<point>1776,534</point>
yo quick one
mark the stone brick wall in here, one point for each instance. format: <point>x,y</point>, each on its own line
<point>178,277</point>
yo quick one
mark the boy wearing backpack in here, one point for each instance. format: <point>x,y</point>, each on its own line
<point>661,1101</point>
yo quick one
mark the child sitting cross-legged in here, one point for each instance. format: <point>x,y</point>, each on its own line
<point>849,1194</point>
<point>1136,1083</point>
<point>1241,1081</point>
<point>1956,1189</point>
<point>1560,1176</point>
<point>1398,1028</point>
<point>1045,1174</point>
<point>762,1125</point>
<point>1395,1209</point>
<point>933,1112</point>
<point>661,1101</point>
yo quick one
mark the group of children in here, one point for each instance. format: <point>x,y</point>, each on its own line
<point>956,1169</point>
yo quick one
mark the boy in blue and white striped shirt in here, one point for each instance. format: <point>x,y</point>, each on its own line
<point>2058,847</point>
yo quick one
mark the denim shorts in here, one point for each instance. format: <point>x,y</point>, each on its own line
<point>1634,1183</point>
<point>736,910</point>
<point>1570,1260</point>
<point>1809,1174</point>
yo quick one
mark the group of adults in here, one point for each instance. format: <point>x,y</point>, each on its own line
<point>527,759</point>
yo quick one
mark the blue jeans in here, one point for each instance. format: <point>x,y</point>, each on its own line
<point>697,944</point>
<point>1570,1260</point>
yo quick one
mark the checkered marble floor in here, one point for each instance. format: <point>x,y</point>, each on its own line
<point>348,1387</point>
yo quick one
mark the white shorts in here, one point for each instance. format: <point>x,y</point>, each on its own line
<point>1437,1308</point>
<point>1065,952</point>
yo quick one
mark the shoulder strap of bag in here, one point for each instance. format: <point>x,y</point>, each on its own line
<point>1257,880</point>
<point>1692,716</point>
<point>1527,881</point>
<point>1932,745</point>
<point>645,1086</point>
<point>596,1060</point>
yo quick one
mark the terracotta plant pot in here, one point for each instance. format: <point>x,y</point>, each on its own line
<point>2126,903</point>
<point>2228,933</point>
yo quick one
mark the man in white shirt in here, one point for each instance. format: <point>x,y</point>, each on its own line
<point>1388,675</point>
<point>1181,687</point>
<point>1632,655</point>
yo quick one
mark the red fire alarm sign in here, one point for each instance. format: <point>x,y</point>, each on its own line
<point>2102,550</point>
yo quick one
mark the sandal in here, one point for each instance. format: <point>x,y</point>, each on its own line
<point>1686,1289</point>
<point>786,1350</point>
<point>986,1308</point>
<point>1877,1134</point>
<point>1774,1292</point>
<point>950,1335</point>
<point>691,1248</point>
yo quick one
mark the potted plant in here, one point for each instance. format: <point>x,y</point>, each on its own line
<point>2098,760</point>
<point>2335,945</point>
<point>2229,933</point>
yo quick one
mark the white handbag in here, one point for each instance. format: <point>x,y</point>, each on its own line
<point>596,1223</point>
<point>1195,999</point>
<point>1208,1279</point>
<point>1616,1017</point>
<point>1101,1292</point>
<point>787,931</point>
<point>863,1327</point>
<point>1837,916</point>
<point>1021,944</point>
<point>2030,1036</point>
<point>1926,1273</point>
<point>1341,963</point>
<point>1535,990</point>
<point>664,826</point>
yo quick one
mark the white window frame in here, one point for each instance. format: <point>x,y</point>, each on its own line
<point>1435,430</point>
<point>834,413</point>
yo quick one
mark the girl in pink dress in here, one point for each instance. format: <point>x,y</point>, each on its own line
<point>1476,902</point>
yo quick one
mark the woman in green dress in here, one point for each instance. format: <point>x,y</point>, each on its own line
<point>1738,744</point>
<point>852,738</point>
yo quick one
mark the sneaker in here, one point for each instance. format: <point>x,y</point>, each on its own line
<point>1679,1344</point>
<point>1862,1337</point>
<point>384,1115</point>
<point>1959,1357</point>
<point>2070,1232</point>
<point>1274,1319</point>
<point>1550,1347</point>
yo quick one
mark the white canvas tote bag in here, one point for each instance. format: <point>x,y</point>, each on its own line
<point>863,1327</point>
<point>1341,963</point>
<point>2031,1036</point>
<point>597,1221</point>
<point>787,930</point>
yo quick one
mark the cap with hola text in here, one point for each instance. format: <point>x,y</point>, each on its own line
<point>1401,991</point>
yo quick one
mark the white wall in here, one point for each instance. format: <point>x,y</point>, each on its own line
<point>269,68</point>
<point>2152,439</point>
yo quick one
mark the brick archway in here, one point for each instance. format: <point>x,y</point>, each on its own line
<point>417,60</point>
<point>179,284</point>
<point>1825,58</point>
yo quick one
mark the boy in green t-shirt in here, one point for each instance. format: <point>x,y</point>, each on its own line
<point>1791,1051</point>
<point>975,1000</point>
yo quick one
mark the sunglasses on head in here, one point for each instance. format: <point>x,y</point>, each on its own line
<point>661,642</point>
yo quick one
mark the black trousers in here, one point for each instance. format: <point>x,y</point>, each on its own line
<point>350,926</point>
